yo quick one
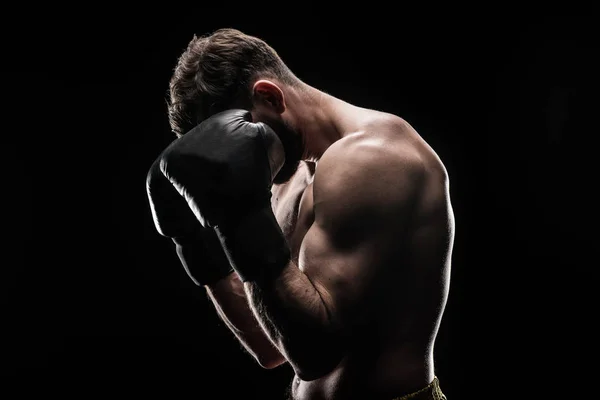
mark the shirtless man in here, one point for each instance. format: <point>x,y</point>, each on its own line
<point>322,231</point>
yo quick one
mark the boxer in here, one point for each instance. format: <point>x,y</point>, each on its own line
<point>321,230</point>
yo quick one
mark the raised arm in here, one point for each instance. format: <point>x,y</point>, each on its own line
<point>230,301</point>
<point>206,264</point>
<point>362,201</point>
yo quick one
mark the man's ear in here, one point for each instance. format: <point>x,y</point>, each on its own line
<point>269,95</point>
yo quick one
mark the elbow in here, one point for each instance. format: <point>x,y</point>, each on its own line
<point>267,355</point>
<point>271,361</point>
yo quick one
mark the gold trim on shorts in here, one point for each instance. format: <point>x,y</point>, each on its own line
<point>429,392</point>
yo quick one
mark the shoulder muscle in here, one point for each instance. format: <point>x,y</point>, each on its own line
<point>362,180</point>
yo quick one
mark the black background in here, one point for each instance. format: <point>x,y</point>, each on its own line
<point>96,298</point>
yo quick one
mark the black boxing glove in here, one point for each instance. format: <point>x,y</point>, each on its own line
<point>224,168</point>
<point>198,248</point>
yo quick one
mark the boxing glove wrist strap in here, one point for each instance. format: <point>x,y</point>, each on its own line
<point>255,245</point>
<point>203,257</point>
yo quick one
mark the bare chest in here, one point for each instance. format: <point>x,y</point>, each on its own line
<point>292,205</point>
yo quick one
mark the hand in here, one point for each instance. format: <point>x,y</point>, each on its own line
<point>224,165</point>
<point>224,168</point>
<point>198,248</point>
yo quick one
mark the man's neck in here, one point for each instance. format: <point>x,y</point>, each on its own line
<point>322,120</point>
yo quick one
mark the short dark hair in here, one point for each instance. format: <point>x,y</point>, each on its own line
<point>216,72</point>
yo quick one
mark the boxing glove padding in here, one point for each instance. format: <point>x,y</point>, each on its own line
<point>221,165</point>
<point>170,213</point>
<point>255,245</point>
<point>223,169</point>
<point>198,248</point>
<point>202,256</point>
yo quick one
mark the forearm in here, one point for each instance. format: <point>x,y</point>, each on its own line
<point>297,316</point>
<point>231,304</point>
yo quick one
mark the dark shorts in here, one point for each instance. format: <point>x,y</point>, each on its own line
<point>429,392</point>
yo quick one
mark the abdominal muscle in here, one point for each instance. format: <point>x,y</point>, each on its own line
<point>384,361</point>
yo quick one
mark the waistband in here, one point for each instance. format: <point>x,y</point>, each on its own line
<point>429,392</point>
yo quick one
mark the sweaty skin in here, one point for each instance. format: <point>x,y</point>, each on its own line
<point>371,229</point>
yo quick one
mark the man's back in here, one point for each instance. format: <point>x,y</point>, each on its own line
<point>390,344</point>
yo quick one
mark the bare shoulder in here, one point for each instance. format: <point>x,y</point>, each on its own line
<point>405,144</point>
<point>367,172</point>
<point>384,164</point>
<point>383,146</point>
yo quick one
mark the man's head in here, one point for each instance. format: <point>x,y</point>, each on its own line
<point>229,69</point>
